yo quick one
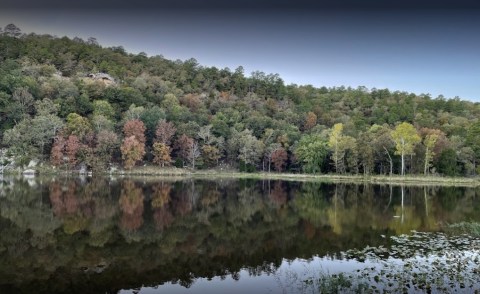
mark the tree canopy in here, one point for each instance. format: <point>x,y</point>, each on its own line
<point>53,88</point>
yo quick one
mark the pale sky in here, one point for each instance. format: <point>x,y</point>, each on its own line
<point>421,50</point>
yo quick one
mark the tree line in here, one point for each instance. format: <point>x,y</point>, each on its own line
<point>178,113</point>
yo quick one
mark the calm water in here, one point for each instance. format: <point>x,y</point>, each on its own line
<point>127,235</point>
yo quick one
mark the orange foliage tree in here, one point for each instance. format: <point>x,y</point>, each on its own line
<point>132,151</point>
<point>310,120</point>
<point>161,153</point>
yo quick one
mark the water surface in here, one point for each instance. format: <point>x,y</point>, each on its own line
<point>102,235</point>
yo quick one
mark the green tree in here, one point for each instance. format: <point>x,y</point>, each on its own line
<point>382,145</point>
<point>106,144</point>
<point>77,125</point>
<point>12,30</point>
<point>447,163</point>
<point>366,152</point>
<point>29,137</point>
<point>103,107</point>
<point>23,103</point>
<point>350,149</point>
<point>100,122</point>
<point>311,151</point>
<point>473,140</point>
<point>251,149</point>
<point>44,128</point>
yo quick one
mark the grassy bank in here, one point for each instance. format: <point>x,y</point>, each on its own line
<point>155,172</point>
<point>418,180</point>
<point>332,178</point>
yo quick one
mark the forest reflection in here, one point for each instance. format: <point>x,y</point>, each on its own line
<point>63,231</point>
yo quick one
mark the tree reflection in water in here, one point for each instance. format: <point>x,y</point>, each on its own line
<point>132,233</point>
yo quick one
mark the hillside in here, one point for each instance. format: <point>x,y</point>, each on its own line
<point>72,103</point>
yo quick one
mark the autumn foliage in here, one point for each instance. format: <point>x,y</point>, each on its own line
<point>71,148</point>
<point>56,155</point>
<point>161,153</point>
<point>165,131</point>
<point>65,148</point>
<point>136,128</point>
<point>211,155</point>
<point>132,151</point>
<point>279,159</point>
<point>183,111</point>
<point>310,121</point>
<point>184,147</point>
<point>131,204</point>
<point>133,147</point>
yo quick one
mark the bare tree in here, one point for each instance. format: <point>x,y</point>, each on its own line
<point>194,152</point>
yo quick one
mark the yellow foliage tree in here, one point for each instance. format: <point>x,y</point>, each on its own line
<point>334,144</point>
<point>406,138</point>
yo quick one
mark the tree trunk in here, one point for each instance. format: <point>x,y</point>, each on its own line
<point>474,166</point>
<point>390,159</point>
<point>403,164</point>
<point>425,168</point>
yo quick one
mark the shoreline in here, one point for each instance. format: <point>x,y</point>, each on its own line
<point>156,172</point>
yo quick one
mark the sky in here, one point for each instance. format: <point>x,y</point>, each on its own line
<point>429,47</point>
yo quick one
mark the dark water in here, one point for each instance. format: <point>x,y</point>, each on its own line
<point>98,235</point>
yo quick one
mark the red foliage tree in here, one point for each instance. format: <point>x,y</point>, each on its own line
<point>136,128</point>
<point>279,158</point>
<point>184,145</point>
<point>71,148</point>
<point>58,148</point>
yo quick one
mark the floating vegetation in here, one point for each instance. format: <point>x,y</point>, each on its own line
<point>420,262</point>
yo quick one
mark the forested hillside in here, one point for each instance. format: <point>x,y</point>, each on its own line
<point>72,102</point>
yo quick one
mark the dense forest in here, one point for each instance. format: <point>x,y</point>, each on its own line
<point>73,103</point>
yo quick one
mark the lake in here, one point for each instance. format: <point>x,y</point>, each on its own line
<point>150,235</point>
